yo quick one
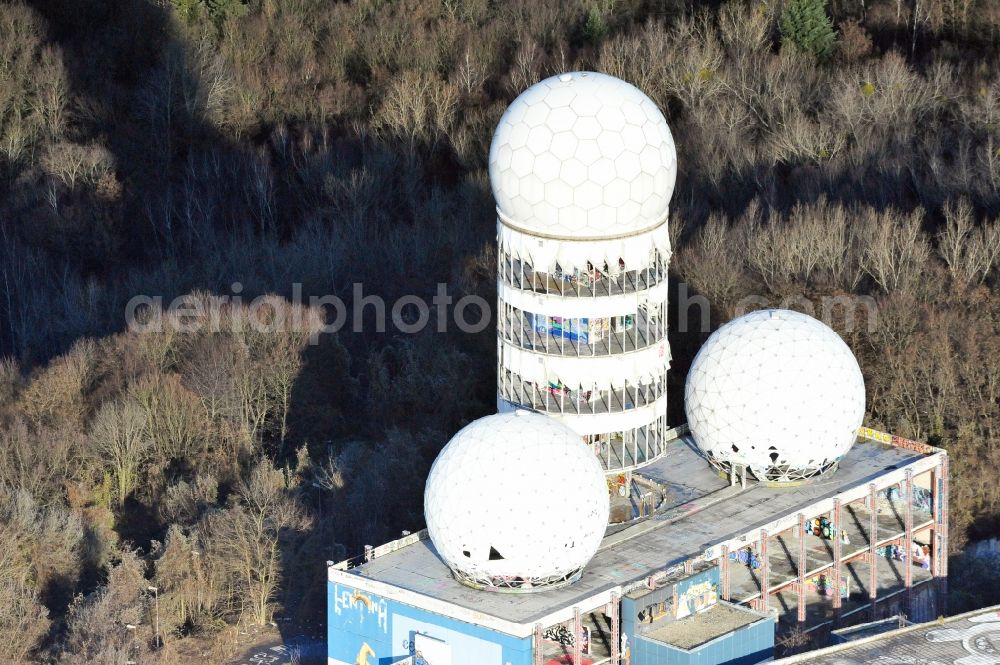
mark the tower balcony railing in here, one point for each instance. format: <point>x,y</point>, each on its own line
<point>624,449</point>
<point>590,282</point>
<point>554,397</point>
<point>628,449</point>
<point>582,337</point>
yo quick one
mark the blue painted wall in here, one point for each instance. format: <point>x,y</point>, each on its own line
<point>365,629</point>
<point>750,644</point>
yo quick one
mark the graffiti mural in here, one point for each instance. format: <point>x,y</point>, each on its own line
<point>892,552</point>
<point>822,527</point>
<point>367,628</point>
<point>922,499</point>
<point>824,586</point>
<point>696,598</point>
<point>276,655</point>
<point>919,554</point>
<point>982,640</point>
<point>347,600</point>
<point>364,654</point>
<point>747,557</point>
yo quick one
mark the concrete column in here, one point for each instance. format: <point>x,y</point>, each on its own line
<point>935,486</point>
<point>872,556</point>
<point>945,477</point>
<point>837,556</point>
<point>765,573</point>
<point>939,519</point>
<point>908,543</point>
<point>616,629</point>
<point>935,513</point>
<point>940,561</point>
<point>538,644</point>
<point>802,569</point>
<point>577,635</point>
<point>725,572</point>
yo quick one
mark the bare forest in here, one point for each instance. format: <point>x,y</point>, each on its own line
<point>171,147</point>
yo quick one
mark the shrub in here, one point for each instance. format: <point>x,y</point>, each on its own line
<point>220,10</point>
<point>594,27</point>
<point>806,24</point>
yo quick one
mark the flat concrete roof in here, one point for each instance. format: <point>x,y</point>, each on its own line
<point>966,639</point>
<point>863,631</point>
<point>697,629</point>
<point>701,510</point>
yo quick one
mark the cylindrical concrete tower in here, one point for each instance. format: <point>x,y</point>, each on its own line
<point>582,167</point>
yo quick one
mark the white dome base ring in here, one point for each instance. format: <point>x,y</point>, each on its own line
<point>779,475</point>
<point>504,584</point>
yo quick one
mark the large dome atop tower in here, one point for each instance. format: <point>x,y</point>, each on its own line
<point>583,155</point>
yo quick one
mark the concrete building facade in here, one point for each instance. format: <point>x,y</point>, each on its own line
<point>866,542</point>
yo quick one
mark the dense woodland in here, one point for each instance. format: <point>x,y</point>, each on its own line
<point>179,147</point>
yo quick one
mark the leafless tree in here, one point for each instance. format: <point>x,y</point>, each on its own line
<point>33,88</point>
<point>77,165</point>
<point>471,73</point>
<point>418,108</point>
<point>180,583</point>
<point>107,626</point>
<point>175,420</point>
<point>58,394</point>
<point>208,369</point>
<point>10,380</point>
<point>24,621</point>
<point>896,250</point>
<point>745,29</point>
<point>712,264</point>
<point>121,433</point>
<point>244,540</point>
<point>526,67</point>
<point>39,460</point>
<point>971,253</point>
<point>39,549</point>
<point>184,502</point>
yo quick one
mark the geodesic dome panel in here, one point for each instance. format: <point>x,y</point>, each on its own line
<point>583,155</point>
<point>777,392</point>
<point>516,501</point>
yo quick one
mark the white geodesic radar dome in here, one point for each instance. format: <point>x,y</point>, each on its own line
<point>777,392</point>
<point>516,502</point>
<point>583,155</point>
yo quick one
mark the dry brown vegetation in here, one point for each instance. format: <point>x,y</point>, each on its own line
<point>167,148</point>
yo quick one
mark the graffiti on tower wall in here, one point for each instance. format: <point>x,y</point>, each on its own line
<point>365,628</point>
<point>363,606</point>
